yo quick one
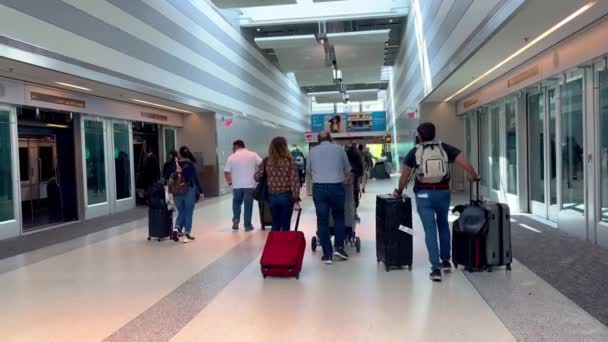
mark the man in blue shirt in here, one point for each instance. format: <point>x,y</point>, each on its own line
<point>433,195</point>
<point>330,169</point>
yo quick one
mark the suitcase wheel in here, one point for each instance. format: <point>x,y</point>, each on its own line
<point>149,238</point>
<point>358,245</point>
<point>455,266</point>
<point>263,275</point>
<point>388,269</point>
<point>313,243</point>
<point>409,267</point>
<point>263,227</point>
<point>159,239</point>
<point>508,268</point>
<point>489,269</point>
<point>298,276</point>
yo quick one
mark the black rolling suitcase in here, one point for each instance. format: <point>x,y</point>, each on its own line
<point>160,223</point>
<point>160,218</point>
<point>498,235</point>
<point>394,240</point>
<point>265,215</point>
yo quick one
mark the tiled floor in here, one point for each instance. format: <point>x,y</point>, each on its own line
<point>124,288</point>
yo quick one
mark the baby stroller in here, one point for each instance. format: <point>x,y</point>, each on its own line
<point>351,238</point>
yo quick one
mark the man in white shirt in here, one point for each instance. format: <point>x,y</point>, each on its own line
<point>239,171</point>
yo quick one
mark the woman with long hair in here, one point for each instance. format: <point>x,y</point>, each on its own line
<point>184,169</point>
<point>283,183</point>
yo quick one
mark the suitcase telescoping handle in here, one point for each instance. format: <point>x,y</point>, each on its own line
<point>476,200</point>
<point>298,218</point>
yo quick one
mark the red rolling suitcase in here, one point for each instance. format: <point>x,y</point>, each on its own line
<point>283,253</point>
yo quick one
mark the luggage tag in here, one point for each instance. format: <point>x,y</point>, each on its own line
<point>406,230</point>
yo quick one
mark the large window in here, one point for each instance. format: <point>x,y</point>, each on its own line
<point>7,207</point>
<point>536,143</point>
<point>495,147</point>
<point>511,140</point>
<point>169,142</point>
<point>573,182</point>
<point>604,144</point>
<point>122,160</point>
<point>95,162</point>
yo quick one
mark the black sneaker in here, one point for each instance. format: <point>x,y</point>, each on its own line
<point>327,260</point>
<point>446,266</point>
<point>188,238</point>
<point>248,229</point>
<point>340,253</point>
<point>435,275</point>
<point>175,236</point>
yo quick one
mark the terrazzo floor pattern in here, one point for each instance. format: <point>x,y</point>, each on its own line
<point>113,287</point>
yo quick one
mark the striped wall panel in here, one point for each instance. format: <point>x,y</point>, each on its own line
<point>183,48</point>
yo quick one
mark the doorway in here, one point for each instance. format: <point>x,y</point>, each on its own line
<point>146,157</point>
<point>46,166</point>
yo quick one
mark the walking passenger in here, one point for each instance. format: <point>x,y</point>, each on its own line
<point>186,189</point>
<point>239,171</point>
<point>283,183</point>
<point>300,161</point>
<point>330,169</point>
<point>429,161</point>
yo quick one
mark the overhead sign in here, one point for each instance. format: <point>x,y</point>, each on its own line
<point>65,101</point>
<point>349,122</point>
<point>154,116</point>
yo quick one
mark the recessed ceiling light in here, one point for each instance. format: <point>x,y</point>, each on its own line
<point>258,29</point>
<point>161,106</point>
<point>390,21</point>
<point>525,47</point>
<point>73,86</point>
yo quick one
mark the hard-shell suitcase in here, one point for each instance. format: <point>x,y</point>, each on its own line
<point>394,240</point>
<point>283,253</point>
<point>468,250</point>
<point>160,223</point>
<point>265,215</point>
<point>498,235</point>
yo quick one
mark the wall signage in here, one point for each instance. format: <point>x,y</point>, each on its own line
<point>349,122</point>
<point>65,101</point>
<point>154,116</point>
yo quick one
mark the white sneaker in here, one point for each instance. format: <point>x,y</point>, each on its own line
<point>186,239</point>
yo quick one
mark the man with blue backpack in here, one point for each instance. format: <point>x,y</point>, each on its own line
<point>429,160</point>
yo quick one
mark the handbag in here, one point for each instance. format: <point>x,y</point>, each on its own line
<point>178,185</point>
<point>260,193</point>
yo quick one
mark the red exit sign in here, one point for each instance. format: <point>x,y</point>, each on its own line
<point>228,123</point>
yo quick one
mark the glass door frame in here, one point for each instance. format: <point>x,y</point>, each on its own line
<point>163,147</point>
<point>599,229</point>
<point>13,227</point>
<point>511,199</point>
<point>118,205</point>
<point>98,209</point>
<point>577,225</point>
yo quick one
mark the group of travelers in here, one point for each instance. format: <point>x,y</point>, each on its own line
<point>330,167</point>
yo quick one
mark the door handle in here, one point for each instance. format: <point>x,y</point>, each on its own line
<point>589,158</point>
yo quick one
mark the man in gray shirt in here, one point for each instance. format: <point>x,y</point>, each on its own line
<point>330,169</point>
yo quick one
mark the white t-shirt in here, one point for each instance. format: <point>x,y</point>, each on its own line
<point>242,165</point>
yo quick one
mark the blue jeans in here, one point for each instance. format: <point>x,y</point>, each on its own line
<point>185,209</point>
<point>238,197</point>
<point>326,197</point>
<point>433,208</point>
<point>281,209</point>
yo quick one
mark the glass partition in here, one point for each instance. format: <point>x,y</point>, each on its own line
<point>169,142</point>
<point>122,160</point>
<point>95,162</point>
<point>536,124</point>
<point>7,206</point>
<point>511,145</point>
<point>604,145</point>
<point>573,183</point>
<point>484,151</point>
<point>495,148</point>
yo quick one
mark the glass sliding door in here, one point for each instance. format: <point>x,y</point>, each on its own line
<point>9,208</point>
<point>484,150</point>
<point>169,142</point>
<point>553,148</point>
<point>495,148</point>
<point>94,167</point>
<point>121,153</point>
<point>573,205</point>
<point>511,146</point>
<point>536,153</point>
<point>602,150</point>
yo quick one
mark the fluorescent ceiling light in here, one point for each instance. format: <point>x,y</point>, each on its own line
<point>56,125</point>
<point>525,47</point>
<point>73,86</point>
<point>161,106</point>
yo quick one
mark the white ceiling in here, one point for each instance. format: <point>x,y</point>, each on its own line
<point>313,11</point>
<point>534,18</point>
<point>355,96</point>
<point>40,76</point>
<point>251,3</point>
<point>360,56</point>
